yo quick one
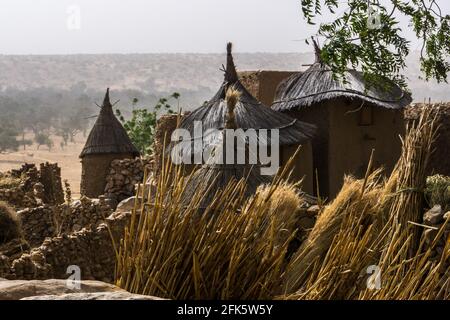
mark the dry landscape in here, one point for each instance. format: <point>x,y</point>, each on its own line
<point>67,159</point>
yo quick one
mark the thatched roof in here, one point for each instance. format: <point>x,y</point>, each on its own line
<point>211,179</point>
<point>108,135</point>
<point>317,84</point>
<point>249,114</point>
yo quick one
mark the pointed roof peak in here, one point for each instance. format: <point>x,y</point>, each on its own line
<point>108,136</point>
<point>106,101</point>
<point>230,72</point>
<point>317,51</point>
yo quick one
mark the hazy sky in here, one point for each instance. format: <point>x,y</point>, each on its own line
<point>146,26</point>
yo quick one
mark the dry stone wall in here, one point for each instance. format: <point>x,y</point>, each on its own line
<point>123,176</point>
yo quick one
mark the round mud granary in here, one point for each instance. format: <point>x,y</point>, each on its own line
<point>107,141</point>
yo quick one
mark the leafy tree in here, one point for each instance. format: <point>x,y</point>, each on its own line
<point>8,137</point>
<point>43,139</point>
<point>367,35</point>
<point>142,124</point>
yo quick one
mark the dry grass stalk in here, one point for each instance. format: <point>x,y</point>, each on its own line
<point>374,230</point>
<point>232,250</point>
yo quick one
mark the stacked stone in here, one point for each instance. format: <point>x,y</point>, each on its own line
<point>37,224</point>
<point>36,187</point>
<point>50,178</point>
<point>123,177</point>
<point>91,250</point>
<point>83,213</point>
<point>17,197</point>
<point>48,221</point>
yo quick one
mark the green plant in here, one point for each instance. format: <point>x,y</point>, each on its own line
<point>438,191</point>
<point>8,137</point>
<point>142,124</point>
<point>43,138</point>
<point>367,34</point>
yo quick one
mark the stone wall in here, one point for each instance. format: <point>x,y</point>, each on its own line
<point>49,221</point>
<point>123,176</point>
<point>92,250</point>
<point>33,187</point>
<point>37,224</point>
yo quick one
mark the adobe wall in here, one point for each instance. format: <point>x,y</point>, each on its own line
<point>263,84</point>
<point>350,143</point>
<point>318,116</point>
<point>94,170</point>
<point>303,165</point>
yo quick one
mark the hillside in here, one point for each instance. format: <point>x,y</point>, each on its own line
<point>196,76</point>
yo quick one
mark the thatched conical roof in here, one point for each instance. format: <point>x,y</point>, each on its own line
<point>317,84</point>
<point>249,114</point>
<point>108,135</point>
<point>215,175</point>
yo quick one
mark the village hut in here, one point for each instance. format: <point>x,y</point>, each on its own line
<point>216,174</point>
<point>248,114</point>
<point>352,119</point>
<point>106,142</point>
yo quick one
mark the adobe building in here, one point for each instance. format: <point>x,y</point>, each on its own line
<point>263,84</point>
<point>249,114</point>
<point>106,142</point>
<point>352,119</point>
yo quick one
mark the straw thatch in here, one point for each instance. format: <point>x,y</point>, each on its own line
<point>212,178</point>
<point>249,114</point>
<point>108,135</point>
<point>317,84</point>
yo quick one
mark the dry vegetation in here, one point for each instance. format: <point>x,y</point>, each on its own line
<point>237,248</point>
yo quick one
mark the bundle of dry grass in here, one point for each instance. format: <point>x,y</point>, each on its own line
<point>375,227</point>
<point>349,211</point>
<point>10,227</point>
<point>231,250</point>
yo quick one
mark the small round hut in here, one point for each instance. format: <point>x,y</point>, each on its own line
<point>106,142</point>
<point>248,114</point>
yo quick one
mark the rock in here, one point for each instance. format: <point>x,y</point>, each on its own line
<point>433,216</point>
<point>94,296</point>
<point>313,211</point>
<point>126,205</point>
<point>19,289</point>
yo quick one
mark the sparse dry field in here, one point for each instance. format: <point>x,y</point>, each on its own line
<point>67,159</point>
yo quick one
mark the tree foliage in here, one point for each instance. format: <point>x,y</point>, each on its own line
<point>8,137</point>
<point>142,124</point>
<point>368,35</point>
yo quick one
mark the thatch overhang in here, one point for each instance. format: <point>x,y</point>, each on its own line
<point>210,180</point>
<point>249,114</point>
<point>317,85</point>
<point>108,135</point>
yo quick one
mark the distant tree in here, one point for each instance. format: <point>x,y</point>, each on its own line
<point>43,139</point>
<point>8,138</point>
<point>142,124</point>
<point>366,34</point>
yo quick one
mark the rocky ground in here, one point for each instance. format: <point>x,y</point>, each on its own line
<point>56,289</point>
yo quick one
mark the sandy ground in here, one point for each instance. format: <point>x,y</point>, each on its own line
<point>66,158</point>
